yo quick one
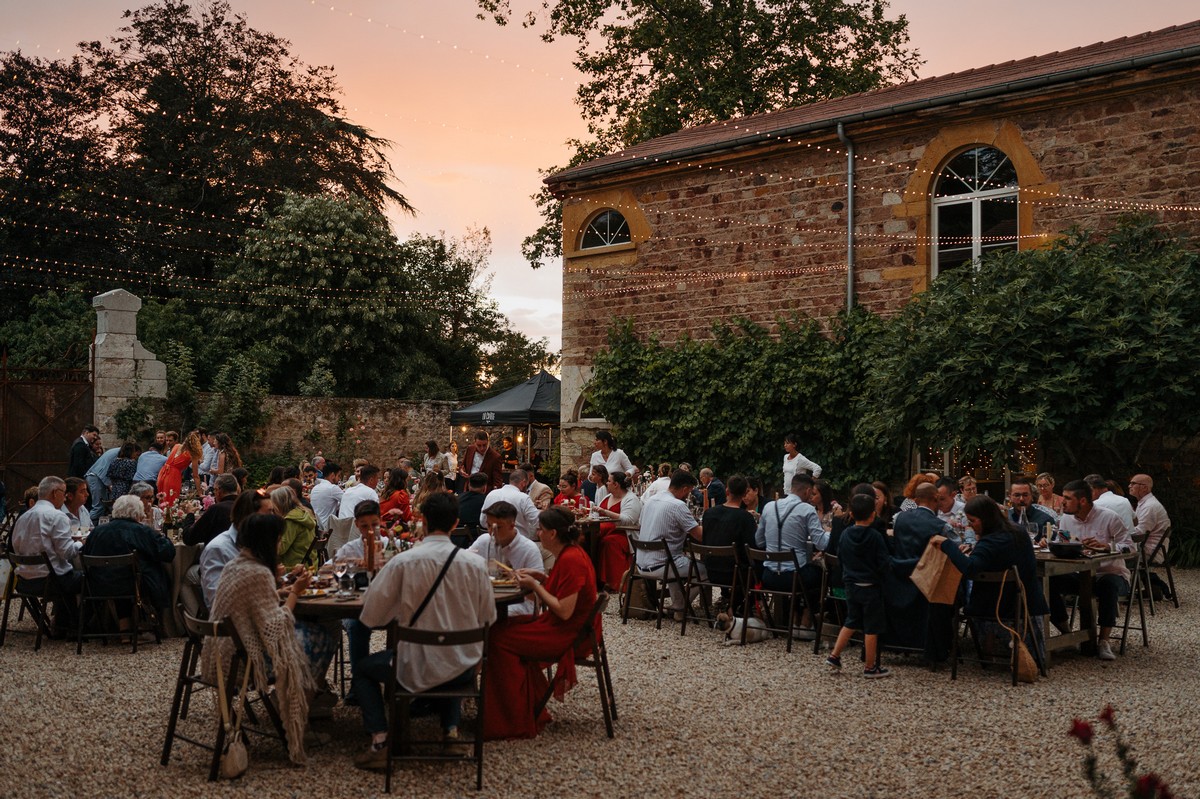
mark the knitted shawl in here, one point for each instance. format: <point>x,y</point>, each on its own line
<point>246,595</point>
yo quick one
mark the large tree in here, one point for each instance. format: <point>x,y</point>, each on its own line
<point>211,115</point>
<point>653,67</point>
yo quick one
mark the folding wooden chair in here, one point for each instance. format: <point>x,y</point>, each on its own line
<point>698,554</point>
<point>1019,621</point>
<point>88,599</point>
<point>758,559</point>
<point>833,599</point>
<point>189,679</point>
<point>1148,565</point>
<point>1137,590</point>
<point>399,699</point>
<point>591,634</point>
<point>36,601</point>
<point>657,585</point>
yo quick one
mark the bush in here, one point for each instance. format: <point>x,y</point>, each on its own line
<point>236,406</point>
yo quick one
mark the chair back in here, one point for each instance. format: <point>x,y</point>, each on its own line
<point>342,532</point>
<point>199,629</point>
<point>701,552</point>
<point>641,545</point>
<point>40,559</point>
<point>128,560</point>
<point>763,556</point>
<point>412,635</point>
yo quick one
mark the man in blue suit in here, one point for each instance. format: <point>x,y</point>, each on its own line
<point>912,622</point>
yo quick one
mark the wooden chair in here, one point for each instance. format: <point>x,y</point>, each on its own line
<point>758,558</point>
<point>657,585</point>
<point>1018,621</point>
<point>591,633</point>
<point>37,602</point>
<point>399,699</point>
<point>1148,564</point>
<point>108,602</point>
<point>699,554</point>
<point>832,599</point>
<point>1137,591</point>
<point>342,532</point>
<point>189,679</point>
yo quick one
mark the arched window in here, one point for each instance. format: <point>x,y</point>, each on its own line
<point>974,208</point>
<point>604,230</point>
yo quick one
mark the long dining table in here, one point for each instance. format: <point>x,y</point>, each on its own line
<point>329,606</point>
<point>1050,566</point>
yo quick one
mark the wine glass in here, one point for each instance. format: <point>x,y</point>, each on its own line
<point>340,568</point>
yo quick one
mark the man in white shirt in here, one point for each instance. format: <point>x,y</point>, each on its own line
<point>1102,497</point>
<point>514,494</point>
<point>666,517</point>
<point>364,489</point>
<point>326,495</point>
<point>75,506</point>
<point>1099,530</point>
<point>455,583</point>
<point>45,529</point>
<point>1152,518</point>
<point>502,543</point>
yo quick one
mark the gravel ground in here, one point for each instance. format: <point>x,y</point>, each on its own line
<point>696,719</point>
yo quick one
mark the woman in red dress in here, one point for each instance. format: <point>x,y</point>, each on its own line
<point>396,504</point>
<point>189,453</point>
<point>569,593</point>
<point>620,506</point>
<point>568,492</point>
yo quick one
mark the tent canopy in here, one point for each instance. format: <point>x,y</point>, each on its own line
<point>536,401</point>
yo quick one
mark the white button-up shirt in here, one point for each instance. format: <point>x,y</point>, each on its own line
<point>464,601</point>
<point>213,557</point>
<point>357,493</point>
<point>521,553</point>
<point>326,498</point>
<point>1118,505</point>
<point>1106,527</point>
<point>1152,519</point>
<point>527,512</point>
<point>44,528</point>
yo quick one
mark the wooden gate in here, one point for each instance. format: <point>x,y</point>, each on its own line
<point>42,412</point>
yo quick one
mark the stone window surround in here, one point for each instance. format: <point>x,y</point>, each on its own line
<point>917,203</point>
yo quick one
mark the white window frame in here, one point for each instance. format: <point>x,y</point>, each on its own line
<point>975,199</point>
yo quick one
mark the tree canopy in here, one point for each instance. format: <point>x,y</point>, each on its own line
<point>202,164</point>
<point>653,67</point>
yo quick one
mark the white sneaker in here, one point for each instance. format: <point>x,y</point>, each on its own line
<point>1104,651</point>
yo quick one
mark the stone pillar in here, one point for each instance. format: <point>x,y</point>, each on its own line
<point>124,369</point>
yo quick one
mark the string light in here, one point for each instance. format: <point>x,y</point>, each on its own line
<point>710,277</point>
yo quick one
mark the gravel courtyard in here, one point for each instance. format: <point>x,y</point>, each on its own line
<point>696,719</point>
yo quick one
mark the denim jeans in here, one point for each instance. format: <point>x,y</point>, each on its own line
<point>373,671</point>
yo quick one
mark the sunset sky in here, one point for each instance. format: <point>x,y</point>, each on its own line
<point>474,109</point>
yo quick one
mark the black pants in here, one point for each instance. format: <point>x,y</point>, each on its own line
<point>1107,588</point>
<point>63,590</point>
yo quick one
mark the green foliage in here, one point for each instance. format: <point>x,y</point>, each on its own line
<point>133,420</point>
<point>1093,340</point>
<point>727,402</point>
<point>320,381</point>
<point>181,386</point>
<point>653,67</point>
<point>260,466</point>
<point>55,333</point>
<point>236,405</point>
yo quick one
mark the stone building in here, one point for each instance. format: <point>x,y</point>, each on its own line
<point>754,218</point>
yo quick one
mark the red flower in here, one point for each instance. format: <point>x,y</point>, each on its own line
<point>1150,786</point>
<point>1107,716</point>
<point>1081,730</point>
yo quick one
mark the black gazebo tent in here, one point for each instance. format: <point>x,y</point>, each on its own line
<point>532,403</point>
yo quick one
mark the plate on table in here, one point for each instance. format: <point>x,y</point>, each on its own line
<point>316,592</point>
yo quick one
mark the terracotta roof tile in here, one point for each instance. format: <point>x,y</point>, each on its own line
<point>1130,52</point>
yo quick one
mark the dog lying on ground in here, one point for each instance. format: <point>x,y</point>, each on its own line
<point>732,626</point>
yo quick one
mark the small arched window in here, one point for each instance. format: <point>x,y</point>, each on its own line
<point>604,230</point>
<point>974,208</point>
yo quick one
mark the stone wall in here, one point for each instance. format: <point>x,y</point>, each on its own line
<point>381,430</point>
<point>1127,138</point>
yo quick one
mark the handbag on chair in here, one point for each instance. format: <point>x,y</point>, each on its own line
<point>1027,668</point>
<point>235,759</point>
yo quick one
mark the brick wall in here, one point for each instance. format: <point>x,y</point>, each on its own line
<point>1126,138</point>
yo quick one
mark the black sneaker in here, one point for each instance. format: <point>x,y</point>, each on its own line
<point>834,662</point>
<point>876,672</point>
